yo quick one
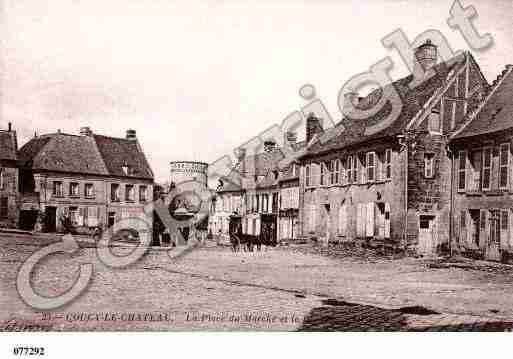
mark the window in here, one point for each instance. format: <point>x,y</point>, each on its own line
<point>463,225</point>
<point>57,189</point>
<point>257,203</point>
<point>371,166</point>
<point>74,215</point>
<point>363,166</point>
<point>2,179</point>
<point>429,165</point>
<point>355,169</point>
<point>322,165</point>
<point>474,177</point>
<point>487,168</point>
<point>434,122</point>
<point>504,220</point>
<point>349,171</point>
<point>504,166</point>
<point>73,189</point>
<point>462,170</point>
<point>89,190</point>
<point>142,194</point>
<point>114,192</point>
<point>338,169</point>
<point>388,164</point>
<point>4,207</point>
<point>307,176</point>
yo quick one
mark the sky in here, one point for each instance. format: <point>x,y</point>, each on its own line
<point>196,79</point>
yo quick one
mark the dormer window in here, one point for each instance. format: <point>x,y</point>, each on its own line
<point>126,168</point>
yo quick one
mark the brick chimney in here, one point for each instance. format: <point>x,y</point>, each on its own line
<point>426,55</point>
<point>241,157</point>
<point>85,131</point>
<point>313,127</point>
<point>269,145</point>
<point>291,137</point>
<point>131,135</point>
<point>9,127</point>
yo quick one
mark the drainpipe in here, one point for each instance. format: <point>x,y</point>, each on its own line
<point>404,146</point>
<point>451,209</point>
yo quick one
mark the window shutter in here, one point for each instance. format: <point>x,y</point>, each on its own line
<point>510,238</point>
<point>358,220</point>
<point>342,222</point>
<point>370,219</point>
<point>387,220</point>
<point>505,227</point>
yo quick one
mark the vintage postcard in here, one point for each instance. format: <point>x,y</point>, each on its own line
<point>286,165</point>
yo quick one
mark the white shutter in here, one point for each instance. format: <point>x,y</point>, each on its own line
<point>380,221</point>
<point>387,220</point>
<point>342,220</point>
<point>360,220</point>
<point>370,220</point>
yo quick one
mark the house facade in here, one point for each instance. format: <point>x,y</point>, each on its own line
<point>391,187</point>
<point>9,173</point>
<point>482,219</point>
<point>288,215</point>
<point>227,202</point>
<point>94,180</point>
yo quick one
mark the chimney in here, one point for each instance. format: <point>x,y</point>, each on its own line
<point>291,137</point>
<point>269,145</point>
<point>241,157</point>
<point>351,100</point>
<point>85,131</point>
<point>131,135</point>
<point>313,127</point>
<point>426,55</point>
<point>9,127</point>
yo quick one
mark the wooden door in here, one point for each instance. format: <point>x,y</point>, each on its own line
<point>427,240</point>
<point>494,237</point>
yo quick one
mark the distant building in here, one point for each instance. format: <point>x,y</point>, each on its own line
<point>93,179</point>
<point>392,187</point>
<point>482,216</point>
<point>8,178</point>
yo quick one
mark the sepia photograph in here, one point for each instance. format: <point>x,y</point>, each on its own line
<point>250,166</point>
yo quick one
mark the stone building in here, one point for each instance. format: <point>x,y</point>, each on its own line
<point>227,202</point>
<point>288,215</point>
<point>482,214</point>
<point>392,186</point>
<point>95,180</point>
<point>8,178</point>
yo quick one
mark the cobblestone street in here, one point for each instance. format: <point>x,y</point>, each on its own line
<point>277,289</point>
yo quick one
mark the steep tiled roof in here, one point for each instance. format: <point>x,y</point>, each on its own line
<point>496,111</point>
<point>413,99</point>
<point>94,154</point>
<point>8,145</point>
<point>119,151</point>
<point>261,163</point>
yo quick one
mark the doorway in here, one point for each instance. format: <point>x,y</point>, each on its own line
<point>474,227</point>
<point>111,220</point>
<point>28,219</point>
<point>494,236</point>
<point>427,238</point>
<point>50,219</point>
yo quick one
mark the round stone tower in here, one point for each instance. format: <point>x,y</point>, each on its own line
<point>426,55</point>
<point>186,171</point>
